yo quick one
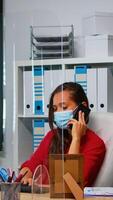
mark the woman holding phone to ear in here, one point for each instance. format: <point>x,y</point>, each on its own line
<point>68,115</point>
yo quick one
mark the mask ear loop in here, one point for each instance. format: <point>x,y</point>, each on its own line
<point>75,110</point>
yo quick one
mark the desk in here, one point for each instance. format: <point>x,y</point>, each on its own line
<point>26,196</point>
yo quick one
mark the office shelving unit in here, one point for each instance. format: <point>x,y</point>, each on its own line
<point>23,124</point>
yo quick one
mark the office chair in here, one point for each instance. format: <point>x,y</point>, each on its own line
<point>102,124</point>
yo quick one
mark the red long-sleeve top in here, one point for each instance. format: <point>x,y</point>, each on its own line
<point>92,147</point>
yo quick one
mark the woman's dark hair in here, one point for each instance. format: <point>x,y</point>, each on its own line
<point>78,95</point>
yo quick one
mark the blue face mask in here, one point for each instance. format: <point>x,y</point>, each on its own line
<point>61,118</point>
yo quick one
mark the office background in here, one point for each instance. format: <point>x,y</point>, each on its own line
<point>18,17</point>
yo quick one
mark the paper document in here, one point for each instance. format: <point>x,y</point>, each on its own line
<point>98,191</point>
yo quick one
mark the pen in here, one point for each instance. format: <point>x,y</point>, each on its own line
<point>10,178</point>
<point>19,178</point>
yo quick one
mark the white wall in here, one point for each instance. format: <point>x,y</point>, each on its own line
<point>60,12</point>
<point>18,16</point>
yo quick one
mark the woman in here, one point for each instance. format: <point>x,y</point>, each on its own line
<point>77,138</point>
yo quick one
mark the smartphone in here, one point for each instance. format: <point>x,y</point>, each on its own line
<point>84,109</point>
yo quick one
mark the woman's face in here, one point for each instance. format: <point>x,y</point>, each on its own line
<point>62,101</point>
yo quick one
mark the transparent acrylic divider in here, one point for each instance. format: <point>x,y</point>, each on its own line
<point>40,181</point>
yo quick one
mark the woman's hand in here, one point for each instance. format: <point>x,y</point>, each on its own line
<point>27,179</point>
<point>79,127</point>
<point>78,130</point>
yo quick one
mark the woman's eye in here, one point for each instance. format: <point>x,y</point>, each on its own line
<point>64,108</point>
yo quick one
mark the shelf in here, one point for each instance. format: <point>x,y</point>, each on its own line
<point>33,116</point>
<point>66,61</point>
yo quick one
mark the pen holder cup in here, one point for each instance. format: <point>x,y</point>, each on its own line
<point>10,191</point>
